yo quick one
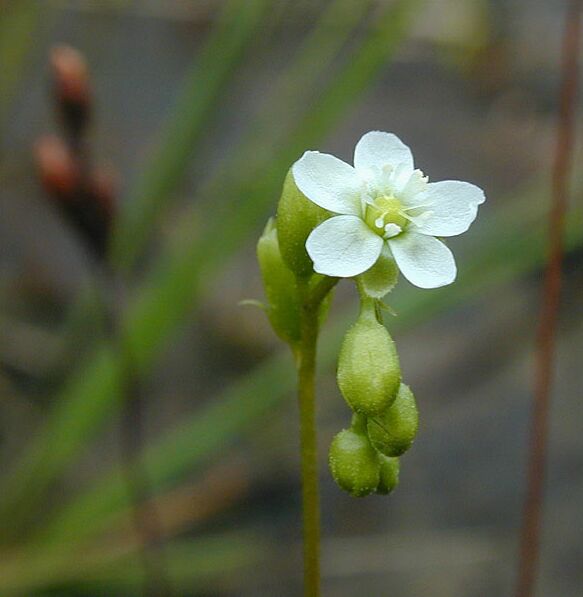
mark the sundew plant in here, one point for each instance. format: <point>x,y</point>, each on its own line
<point>150,444</point>
<point>366,223</point>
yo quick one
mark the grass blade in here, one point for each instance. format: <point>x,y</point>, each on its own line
<point>193,562</point>
<point>92,394</point>
<point>235,29</point>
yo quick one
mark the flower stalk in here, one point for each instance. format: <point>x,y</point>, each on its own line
<point>306,369</point>
<point>305,353</point>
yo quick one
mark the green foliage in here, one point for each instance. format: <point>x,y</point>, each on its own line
<point>173,287</point>
<point>117,569</point>
<point>238,23</point>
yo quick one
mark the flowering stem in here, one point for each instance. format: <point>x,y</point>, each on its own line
<point>306,366</point>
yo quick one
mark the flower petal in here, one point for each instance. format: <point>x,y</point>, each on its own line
<point>451,206</point>
<point>376,149</point>
<point>425,261</point>
<point>343,246</point>
<point>328,182</point>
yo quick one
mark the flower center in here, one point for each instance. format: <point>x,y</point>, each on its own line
<point>385,216</point>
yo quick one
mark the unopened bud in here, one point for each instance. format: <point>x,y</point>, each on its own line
<point>393,431</point>
<point>368,368</point>
<point>297,216</point>
<point>381,278</point>
<point>354,463</point>
<point>389,475</point>
<point>280,287</point>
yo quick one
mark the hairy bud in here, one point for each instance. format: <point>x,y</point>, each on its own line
<point>389,474</point>
<point>393,431</point>
<point>297,216</point>
<point>381,278</point>
<point>368,368</point>
<point>280,287</point>
<point>354,463</point>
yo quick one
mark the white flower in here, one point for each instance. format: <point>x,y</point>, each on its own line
<point>384,202</point>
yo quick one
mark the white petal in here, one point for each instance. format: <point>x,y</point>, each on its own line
<point>379,149</point>
<point>343,246</point>
<point>328,182</point>
<point>451,206</point>
<point>425,261</point>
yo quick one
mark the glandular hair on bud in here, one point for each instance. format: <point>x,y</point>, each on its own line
<point>280,287</point>
<point>297,216</point>
<point>389,474</point>
<point>354,463</point>
<point>368,368</point>
<point>393,431</point>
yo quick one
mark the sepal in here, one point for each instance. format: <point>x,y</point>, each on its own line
<point>297,216</point>
<point>283,307</point>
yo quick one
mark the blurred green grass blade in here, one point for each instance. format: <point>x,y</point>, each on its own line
<point>175,284</point>
<point>18,23</point>
<point>241,405</point>
<point>237,26</point>
<point>91,394</point>
<point>517,248</point>
<point>256,184</point>
<point>207,565</point>
<point>60,435</point>
<point>175,152</point>
<point>192,562</point>
<point>176,279</point>
<point>295,85</point>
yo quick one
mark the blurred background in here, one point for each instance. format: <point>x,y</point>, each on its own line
<point>199,107</point>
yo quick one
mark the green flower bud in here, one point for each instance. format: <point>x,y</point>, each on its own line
<point>297,216</point>
<point>354,463</point>
<point>280,287</point>
<point>368,368</point>
<point>389,477</point>
<point>381,278</point>
<point>393,431</point>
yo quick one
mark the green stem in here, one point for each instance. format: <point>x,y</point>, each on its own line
<point>306,366</point>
